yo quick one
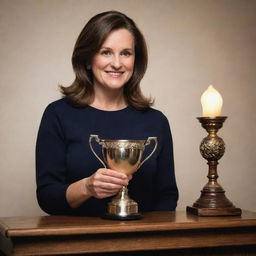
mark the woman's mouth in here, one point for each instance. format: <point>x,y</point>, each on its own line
<point>115,74</point>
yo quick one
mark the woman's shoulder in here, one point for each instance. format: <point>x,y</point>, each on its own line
<point>156,114</point>
<point>57,109</point>
<point>59,105</point>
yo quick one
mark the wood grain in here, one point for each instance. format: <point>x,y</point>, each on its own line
<point>157,231</point>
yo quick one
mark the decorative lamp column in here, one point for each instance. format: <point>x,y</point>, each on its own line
<point>212,201</point>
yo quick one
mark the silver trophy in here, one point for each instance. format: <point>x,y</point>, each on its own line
<point>123,156</point>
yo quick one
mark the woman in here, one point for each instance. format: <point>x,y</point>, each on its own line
<point>109,61</point>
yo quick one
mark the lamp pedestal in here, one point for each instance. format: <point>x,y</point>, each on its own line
<point>213,201</point>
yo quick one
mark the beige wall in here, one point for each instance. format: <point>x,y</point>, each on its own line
<point>191,44</point>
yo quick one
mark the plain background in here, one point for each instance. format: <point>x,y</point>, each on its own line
<point>192,44</point>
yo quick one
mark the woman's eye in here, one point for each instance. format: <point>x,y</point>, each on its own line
<point>127,54</point>
<point>105,53</point>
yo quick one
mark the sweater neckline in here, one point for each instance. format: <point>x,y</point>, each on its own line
<point>107,111</point>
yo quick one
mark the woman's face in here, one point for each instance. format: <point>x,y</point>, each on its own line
<point>113,65</point>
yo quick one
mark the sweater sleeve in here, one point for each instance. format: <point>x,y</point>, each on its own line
<point>50,165</point>
<point>167,194</point>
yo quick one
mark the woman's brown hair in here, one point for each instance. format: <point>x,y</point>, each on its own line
<point>89,42</point>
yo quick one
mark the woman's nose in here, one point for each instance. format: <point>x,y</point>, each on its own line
<point>116,62</point>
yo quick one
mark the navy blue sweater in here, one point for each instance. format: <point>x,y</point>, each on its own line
<point>63,156</point>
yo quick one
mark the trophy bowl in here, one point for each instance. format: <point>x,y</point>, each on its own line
<point>123,156</point>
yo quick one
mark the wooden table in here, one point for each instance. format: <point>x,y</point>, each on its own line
<point>157,233</point>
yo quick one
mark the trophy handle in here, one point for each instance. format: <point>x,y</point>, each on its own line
<point>147,143</point>
<point>96,137</point>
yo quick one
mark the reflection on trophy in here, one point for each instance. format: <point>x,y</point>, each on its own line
<point>123,156</point>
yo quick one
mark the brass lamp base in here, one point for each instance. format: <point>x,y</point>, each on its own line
<point>232,211</point>
<point>213,201</point>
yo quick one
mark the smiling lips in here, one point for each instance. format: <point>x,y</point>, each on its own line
<point>115,74</point>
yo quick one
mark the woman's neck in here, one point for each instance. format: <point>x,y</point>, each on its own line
<point>109,100</point>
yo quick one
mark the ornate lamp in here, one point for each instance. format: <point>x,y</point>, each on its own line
<point>212,201</point>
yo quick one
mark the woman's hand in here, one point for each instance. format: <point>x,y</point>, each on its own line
<point>105,182</point>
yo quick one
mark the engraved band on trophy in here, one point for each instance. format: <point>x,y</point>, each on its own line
<point>123,156</point>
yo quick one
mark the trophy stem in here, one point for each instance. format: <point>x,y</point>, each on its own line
<point>213,201</point>
<point>122,207</point>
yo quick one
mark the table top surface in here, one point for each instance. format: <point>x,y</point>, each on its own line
<point>151,221</point>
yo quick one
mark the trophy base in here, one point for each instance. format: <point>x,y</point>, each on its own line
<point>122,207</point>
<point>134,216</point>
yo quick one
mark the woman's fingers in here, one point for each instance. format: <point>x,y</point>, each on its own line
<point>107,186</point>
<point>113,181</point>
<point>111,177</point>
<point>129,177</point>
<point>106,182</point>
<point>101,192</point>
<point>112,173</point>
